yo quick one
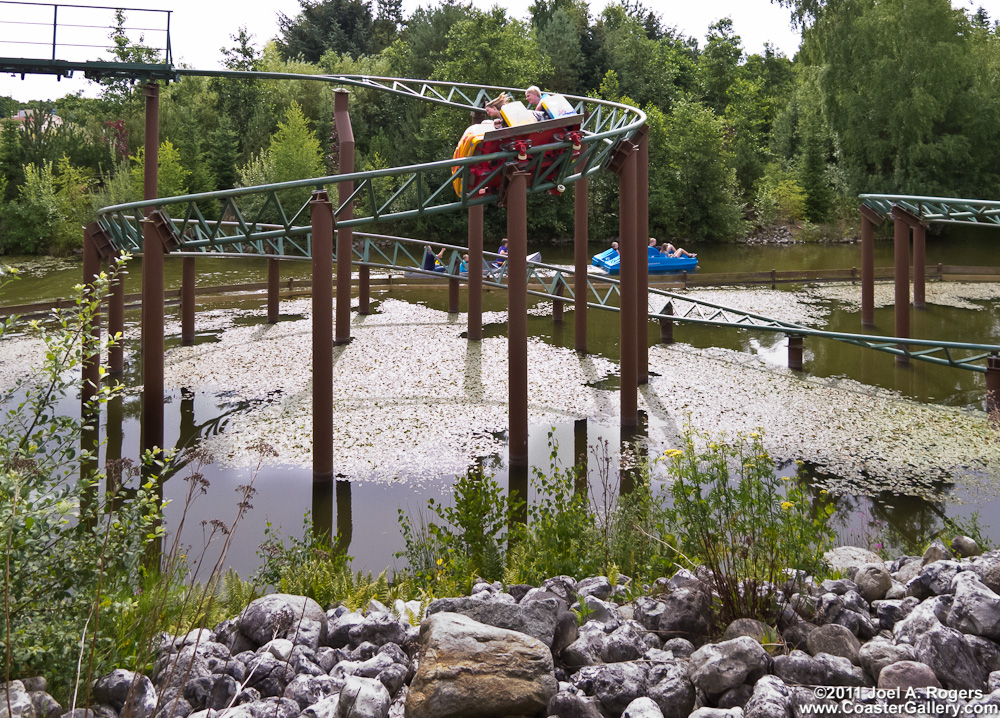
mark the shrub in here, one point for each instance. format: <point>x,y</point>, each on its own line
<point>746,525</point>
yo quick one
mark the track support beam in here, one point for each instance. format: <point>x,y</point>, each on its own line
<point>517,318</point>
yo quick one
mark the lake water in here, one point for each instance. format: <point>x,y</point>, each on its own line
<point>368,510</point>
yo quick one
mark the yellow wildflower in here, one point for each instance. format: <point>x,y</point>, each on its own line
<point>786,505</point>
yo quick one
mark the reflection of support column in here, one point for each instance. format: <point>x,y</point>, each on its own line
<point>795,352</point>
<point>869,220</point>
<point>557,304</point>
<point>642,266</point>
<point>322,348</point>
<point>901,253</point>
<point>345,235</point>
<point>187,431</point>
<point>153,242</point>
<point>273,291</point>
<point>919,265</point>
<point>580,452</point>
<point>322,510</point>
<point>113,447</point>
<point>517,317</point>
<point>580,263</point>
<point>517,493</point>
<point>475,272</point>
<point>667,325</point>
<point>993,386</point>
<point>630,255</point>
<point>92,360</point>
<point>345,517</point>
<point>116,325</point>
<point>187,301</point>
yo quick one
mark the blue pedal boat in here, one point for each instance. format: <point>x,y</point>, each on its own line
<point>610,261</point>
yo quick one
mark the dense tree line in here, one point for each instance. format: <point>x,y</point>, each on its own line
<point>884,95</point>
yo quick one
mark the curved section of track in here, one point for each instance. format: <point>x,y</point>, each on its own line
<point>272,220</point>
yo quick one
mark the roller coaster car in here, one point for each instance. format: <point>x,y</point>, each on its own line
<point>481,140</point>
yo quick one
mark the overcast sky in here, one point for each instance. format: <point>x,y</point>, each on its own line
<point>199,28</point>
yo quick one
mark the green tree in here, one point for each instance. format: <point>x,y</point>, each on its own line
<point>223,153</point>
<point>344,26</point>
<point>719,64</point>
<point>243,101</point>
<point>171,177</point>
<point>120,92</point>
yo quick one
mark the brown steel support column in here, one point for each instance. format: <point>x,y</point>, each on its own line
<point>322,340</point>
<point>557,304</point>
<point>667,325</point>
<point>642,242</point>
<point>273,291</point>
<point>901,253</point>
<point>580,263</point>
<point>630,250</point>
<point>152,333</point>
<point>476,273</point>
<point>187,301</point>
<point>92,360</point>
<point>869,220</point>
<point>795,345</point>
<point>993,387</point>
<point>517,318</point>
<point>152,142</point>
<point>364,291</point>
<point>453,295</point>
<point>116,325</point>
<point>345,235</point>
<point>919,265</point>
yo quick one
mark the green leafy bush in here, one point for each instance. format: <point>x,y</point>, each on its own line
<point>736,517</point>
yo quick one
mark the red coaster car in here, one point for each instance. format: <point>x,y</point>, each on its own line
<point>482,139</point>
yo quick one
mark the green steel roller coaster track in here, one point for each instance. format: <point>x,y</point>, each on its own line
<point>267,221</point>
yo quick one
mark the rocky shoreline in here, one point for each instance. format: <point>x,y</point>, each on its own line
<point>916,636</point>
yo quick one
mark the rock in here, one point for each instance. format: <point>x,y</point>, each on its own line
<point>671,690</point>
<point>466,667</point>
<point>19,700</point>
<point>280,615</point>
<point>45,705</point>
<point>34,684</point>
<point>976,609</point>
<point>567,630</point>
<point>735,698</point>
<point>988,568</point>
<point>907,674</point>
<point>934,579</point>
<point>771,699</point>
<point>648,611</point>
<point>951,658</point>
<point>993,682</point>
<point>339,628</point>
<point>687,614</point>
<point>707,712</point>
<point>598,586</point>
<point>858,623</point>
<point>571,705</point>
<point>642,708</point>
<point>562,586</point>
<point>121,686</point>
<point>363,698</point>
<point>935,552</point>
<point>896,590</point>
<point>535,618</point>
<point>616,685</point>
<point>987,652</point>
<point>873,582</point>
<point>924,616</point>
<point>876,655</point>
<point>272,707</point>
<point>840,671</point>
<point>326,708</point>
<point>602,612</point>
<point>680,647</point>
<point>838,586</point>
<point>393,678</point>
<point>586,650</point>
<point>835,640</point>
<point>908,569</point>
<point>280,648</point>
<point>797,635</point>
<point>799,667</point>
<point>965,547</point>
<point>845,559</point>
<point>891,611</point>
<point>379,629</point>
<point>750,627</point>
<point>715,668</point>
<point>308,690</point>
<point>269,675</point>
<point>624,643</point>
